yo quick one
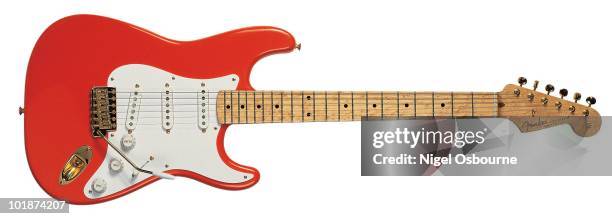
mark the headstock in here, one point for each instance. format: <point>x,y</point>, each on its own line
<point>531,110</point>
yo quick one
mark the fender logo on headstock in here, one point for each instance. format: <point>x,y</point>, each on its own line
<point>530,124</point>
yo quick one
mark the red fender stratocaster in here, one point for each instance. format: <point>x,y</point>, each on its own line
<point>139,107</point>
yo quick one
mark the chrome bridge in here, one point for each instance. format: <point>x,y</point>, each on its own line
<point>103,110</point>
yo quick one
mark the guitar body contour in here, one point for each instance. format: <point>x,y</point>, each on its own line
<point>82,51</point>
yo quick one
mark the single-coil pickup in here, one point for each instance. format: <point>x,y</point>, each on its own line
<point>203,108</point>
<point>167,108</point>
<point>133,108</point>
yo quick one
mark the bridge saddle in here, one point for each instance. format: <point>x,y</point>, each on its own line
<point>103,110</point>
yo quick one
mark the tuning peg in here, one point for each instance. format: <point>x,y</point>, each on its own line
<point>549,88</point>
<point>535,84</point>
<point>563,93</point>
<point>577,97</point>
<point>522,81</point>
<point>590,100</point>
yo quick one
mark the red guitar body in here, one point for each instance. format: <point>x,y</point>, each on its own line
<point>79,52</point>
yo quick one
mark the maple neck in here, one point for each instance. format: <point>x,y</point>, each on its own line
<point>248,107</point>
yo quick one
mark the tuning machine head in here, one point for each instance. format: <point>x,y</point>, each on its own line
<point>590,100</point>
<point>577,97</point>
<point>535,84</point>
<point>563,92</point>
<point>522,81</point>
<point>549,88</point>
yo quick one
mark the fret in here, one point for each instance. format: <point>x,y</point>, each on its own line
<point>249,107</point>
<point>308,106</point>
<point>374,109</point>
<point>462,104</point>
<point>442,105</point>
<point>358,105</point>
<point>266,106</point>
<point>390,105</point>
<point>346,106</point>
<point>424,104</point>
<point>287,106</point>
<point>485,104</point>
<point>332,106</point>
<point>325,93</point>
<point>221,107</point>
<point>242,106</point>
<point>277,114</point>
<point>320,106</point>
<point>406,105</point>
<point>297,106</point>
<point>258,107</point>
<point>234,113</point>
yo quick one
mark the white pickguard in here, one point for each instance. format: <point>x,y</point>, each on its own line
<point>164,140</point>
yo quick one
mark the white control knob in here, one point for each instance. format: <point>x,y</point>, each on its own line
<point>128,142</point>
<point>98,185</point>
<point>115,165</point>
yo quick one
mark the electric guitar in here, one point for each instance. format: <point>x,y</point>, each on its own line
<point>111,107</point>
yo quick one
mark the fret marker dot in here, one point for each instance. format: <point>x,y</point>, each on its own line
<point>241,106</point>
<point>276,106</point>
<point>374,105</point>
<point>307,114</point>
<point>406,105</point>
<point>345,105</point>
<point>442,105</point>
<point>258,106</point>
<point>228,106</point>
<point>308,97</point>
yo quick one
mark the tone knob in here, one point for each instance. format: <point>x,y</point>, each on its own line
<point>128,142</point>
<point>98,185</point>
<point>115,165</point>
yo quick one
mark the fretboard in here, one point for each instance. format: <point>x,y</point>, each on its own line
<point>248,107</point>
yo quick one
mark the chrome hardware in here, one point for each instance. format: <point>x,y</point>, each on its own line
<point>517,92</point>
<point>585,112</point>
<point>544,100</point>
<point>535,84</point>
<point>572,109</point>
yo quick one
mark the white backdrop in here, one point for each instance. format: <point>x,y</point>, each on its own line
<point>313,170</point>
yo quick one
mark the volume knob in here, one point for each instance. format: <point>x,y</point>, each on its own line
<point>98,185</point>
<point>115,165</point>
<point>128,142</point>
